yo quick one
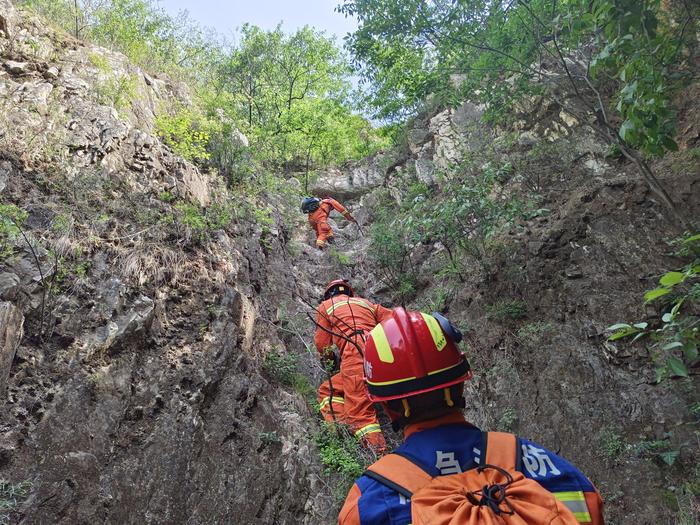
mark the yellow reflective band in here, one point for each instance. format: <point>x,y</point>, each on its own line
<point>435,331</point>
<point>570,496</point>
<point>325,401</point>
<point>576,503</point>
<point>390,382</point>
<point>382,344</point>
<point>373,427</point>
<point>443,369</point>
<point>349,302</point>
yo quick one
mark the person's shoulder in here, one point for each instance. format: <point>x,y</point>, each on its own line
<point>541,464</point>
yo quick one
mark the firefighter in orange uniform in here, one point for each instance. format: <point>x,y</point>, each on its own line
<point>318,211</point>
<point>344,320</point>
<point>447,470</point>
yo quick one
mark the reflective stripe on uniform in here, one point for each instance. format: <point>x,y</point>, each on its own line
<point>435,331</point>
<point>576,503</point>
<point>326,400</point>
<point>382,345</point>
<point>368,429</point>
<point>350,302</point>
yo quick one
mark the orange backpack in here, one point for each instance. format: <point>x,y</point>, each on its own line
<point>491,494</point>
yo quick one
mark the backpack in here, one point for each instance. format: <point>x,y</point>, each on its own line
<point>494,493</point>
<point>310,204</point>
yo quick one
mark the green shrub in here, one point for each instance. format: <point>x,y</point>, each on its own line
<point>192,217</point>
<point>185,133</point>
<point>281,367</point>
<point>166,196</point>
<point>11,495</point>
<point>119,92</point>
<point>611,444</point>
<point>661,449</point>
<point>343,259</point>
<point>534,332</point>
<point>390,250</point>
<point>504,310</point>
<point>284,368</point>
<point>11,220</point>
<point>674,341</point>
<point>507,420</point>
<point>269,438</point>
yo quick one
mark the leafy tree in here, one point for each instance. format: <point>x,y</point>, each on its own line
<point>290,93</point>
<point>138,28</point>
<point>621,59</point>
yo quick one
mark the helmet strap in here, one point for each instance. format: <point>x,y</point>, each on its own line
<point>406,408</point>
<point>448,398</point>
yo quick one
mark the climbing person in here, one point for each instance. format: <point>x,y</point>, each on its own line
<point>447,470</point>
<point>343,320</point>
<point>318,211</point>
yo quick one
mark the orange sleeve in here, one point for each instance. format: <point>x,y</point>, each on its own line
<point>349,514</point>
<point>595,507</point>
<point>322,339</point>
<point>381,313</point>
<point>337,206</point>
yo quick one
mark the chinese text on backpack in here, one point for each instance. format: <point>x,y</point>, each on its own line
<point>494,493</point>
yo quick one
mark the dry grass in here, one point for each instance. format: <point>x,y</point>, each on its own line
<point>151,263</point>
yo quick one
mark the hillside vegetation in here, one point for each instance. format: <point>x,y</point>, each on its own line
<point>528,168</point>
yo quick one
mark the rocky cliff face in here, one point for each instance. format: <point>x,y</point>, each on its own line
<point>132,329</point>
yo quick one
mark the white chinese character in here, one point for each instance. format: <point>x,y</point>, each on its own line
<point>447,463</point>
<point>537,461</point>
<point>402,499</point>
<point>368,369</point>
<point>477,455</point>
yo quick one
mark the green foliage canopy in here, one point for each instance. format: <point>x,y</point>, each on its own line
<point>498,51</point>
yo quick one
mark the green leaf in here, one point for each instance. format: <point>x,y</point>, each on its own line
<point>677,307</point>
<point>618,326</point>
<point>626,128</point>
<point>690,352</point>
<point>693,238</point>
<point>677,367</point>
<point>669,144</point>
<point>655,294</point>
<point>672,278</point>
<point>639,336</point>
<point>641,326</point>
<point>671,346</point>
<point>669,457</point>
<point>667,317</point>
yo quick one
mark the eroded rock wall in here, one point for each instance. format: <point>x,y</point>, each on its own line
<point>137,394</point>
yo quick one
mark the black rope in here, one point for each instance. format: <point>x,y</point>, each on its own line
<point>492,496</point>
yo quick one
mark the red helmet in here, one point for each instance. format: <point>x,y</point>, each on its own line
<point>413,353</point>
<point>337,287</point>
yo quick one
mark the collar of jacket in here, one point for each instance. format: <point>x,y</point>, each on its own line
<point>448,419</point>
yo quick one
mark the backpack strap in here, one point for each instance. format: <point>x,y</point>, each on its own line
<point>501,449</point>
<point>400,473</point>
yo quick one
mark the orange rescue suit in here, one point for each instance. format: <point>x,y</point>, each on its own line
<point>344,398</point>
<point>318,220</point>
